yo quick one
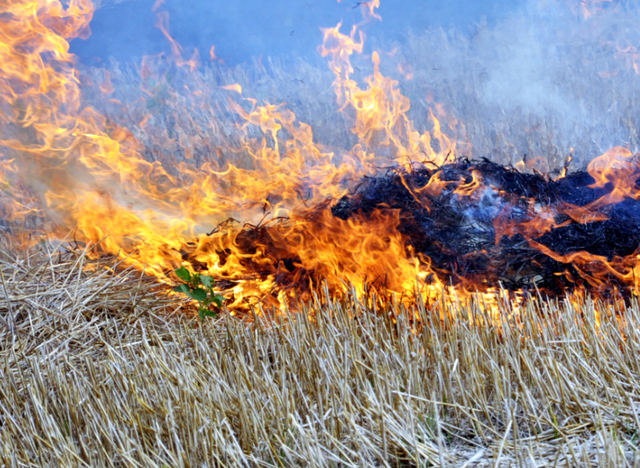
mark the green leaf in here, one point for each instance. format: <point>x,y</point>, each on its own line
<point>183,274</point>
<point>210,313</point>
<point>201,313</point>
<point>218,300</point>
<point>207,281</point>
<point>183,288</point>
<point>198,294</point>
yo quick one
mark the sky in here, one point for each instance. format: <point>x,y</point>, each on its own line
<point>242,29</point>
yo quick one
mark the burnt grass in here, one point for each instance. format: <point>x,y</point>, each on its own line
<point>455,229</point>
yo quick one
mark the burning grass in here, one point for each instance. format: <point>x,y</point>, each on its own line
<point>146,164</point>
<point>468,224</point>
<point>104,366</point>
<point>98,372</point>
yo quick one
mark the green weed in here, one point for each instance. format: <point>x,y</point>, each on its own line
<point>200,288</point>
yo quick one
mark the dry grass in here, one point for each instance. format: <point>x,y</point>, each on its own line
<point>104,369</point>
<point>96,371</point>
<point>540,83</point>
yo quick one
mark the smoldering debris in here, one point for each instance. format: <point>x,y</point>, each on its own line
<point>457,223</point>
<point>475,224</point>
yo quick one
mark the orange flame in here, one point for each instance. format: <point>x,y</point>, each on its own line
<point>591,8</point>
<point>162,23</point>
<point>65,162</point>
<point>631,56</point>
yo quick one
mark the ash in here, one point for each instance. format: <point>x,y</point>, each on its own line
<point>483,225</point>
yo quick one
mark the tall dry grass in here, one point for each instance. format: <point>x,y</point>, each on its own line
<point>103,369</point>
<point>543,83</point>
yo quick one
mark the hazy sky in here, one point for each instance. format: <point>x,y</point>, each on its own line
<point>240,29</point>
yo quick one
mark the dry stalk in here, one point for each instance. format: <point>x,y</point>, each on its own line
<point>97,375</point>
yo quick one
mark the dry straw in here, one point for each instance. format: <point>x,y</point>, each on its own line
<point>100,366</point>
<point>106,369</point>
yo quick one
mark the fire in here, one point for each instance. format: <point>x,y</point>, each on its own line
<point>162,23</point>
<point>286,218</point>
<point>380,110</point>
<point>591,8</point>
<point>617,168</point>
<point>631,56</point>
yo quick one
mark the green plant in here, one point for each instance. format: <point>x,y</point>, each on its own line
<point>200,288</point>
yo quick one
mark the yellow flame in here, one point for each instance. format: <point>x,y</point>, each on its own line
<point>64,160</point>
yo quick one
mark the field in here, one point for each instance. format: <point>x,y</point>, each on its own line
<point>112,178</point>
<point>103,370</point>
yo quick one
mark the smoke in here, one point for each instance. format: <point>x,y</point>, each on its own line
<point>526,82</point>
<point>548,80</point>
<point>166,149</point>
<point>243,29</point>
<point>565,70</point>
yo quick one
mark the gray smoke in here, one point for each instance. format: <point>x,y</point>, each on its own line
<point>242,29</point>
<point>533,80</point>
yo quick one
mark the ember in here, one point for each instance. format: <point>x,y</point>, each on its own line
<point>473,224</point>
<point>141,179</point>
<point>471,219</point>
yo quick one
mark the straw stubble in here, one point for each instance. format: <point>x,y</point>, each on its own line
<point>103,368</point>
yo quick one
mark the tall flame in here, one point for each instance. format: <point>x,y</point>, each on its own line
<point>70,165</point>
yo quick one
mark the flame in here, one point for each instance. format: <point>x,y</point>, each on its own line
<point>617,168</point>
<point>162,23</point>
<point>631,56</point>
<point>380,109</point>
<point>592,8</point>
<point>67,167</point>
<point>369,10</point>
